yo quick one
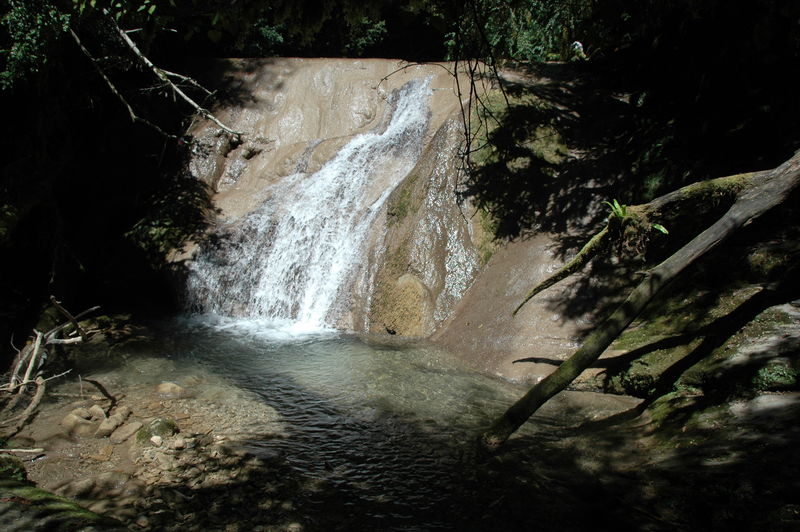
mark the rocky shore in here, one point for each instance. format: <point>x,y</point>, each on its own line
<point>160,456</point>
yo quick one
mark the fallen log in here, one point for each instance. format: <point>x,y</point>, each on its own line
<point>761,192</point>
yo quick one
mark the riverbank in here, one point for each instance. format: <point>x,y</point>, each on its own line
<point>220,457</point>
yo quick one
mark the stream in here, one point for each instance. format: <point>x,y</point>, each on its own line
<point>382,431</point>
<point>386,431</point>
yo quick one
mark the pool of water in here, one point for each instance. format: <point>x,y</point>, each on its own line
<point>389,430</point>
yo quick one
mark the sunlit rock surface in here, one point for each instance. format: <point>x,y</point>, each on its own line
<point>339,207</point>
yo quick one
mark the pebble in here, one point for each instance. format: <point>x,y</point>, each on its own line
<point>104,455</point>
<point>165,461</point>
<point>108,425</point>
<point>157,440</point>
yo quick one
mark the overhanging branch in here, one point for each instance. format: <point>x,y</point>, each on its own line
<point>164,76</point>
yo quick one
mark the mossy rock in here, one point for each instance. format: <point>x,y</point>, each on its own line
<point>12,468</point>
<point>776,375</point>
<point>163,426</point>
<point>160,426</point>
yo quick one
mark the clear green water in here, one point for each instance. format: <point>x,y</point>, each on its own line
<point>388,430</point>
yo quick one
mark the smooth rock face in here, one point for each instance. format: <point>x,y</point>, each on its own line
<point>427,258</point>
<point>303,113</point>
<point>420,275</point>
<point>525,347</point>
<point>125,431</point>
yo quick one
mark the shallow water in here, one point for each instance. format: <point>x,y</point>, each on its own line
<point>384,433</point>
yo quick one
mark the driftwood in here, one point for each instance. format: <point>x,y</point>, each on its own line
<point>31,359</point>
<point>760,192</point>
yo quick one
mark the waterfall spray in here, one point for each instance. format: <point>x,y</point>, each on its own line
<point>293,259</point>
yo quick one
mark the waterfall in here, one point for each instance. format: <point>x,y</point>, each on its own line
<point>292,260</point>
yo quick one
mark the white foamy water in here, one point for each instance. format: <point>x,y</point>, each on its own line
<point>292,260</point>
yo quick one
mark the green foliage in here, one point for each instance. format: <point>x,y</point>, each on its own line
<point>660,228</point>
<point>532,30</point>
<point>120,8</point>
<point>11,468</point>
<point>618,210</point>
<point>265,39</point>
<point>177,213</point>
<point>32,27</point>
<point>364,35</point>
<point>8,219</point>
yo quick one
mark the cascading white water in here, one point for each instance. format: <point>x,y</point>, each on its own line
<point>291,259</point>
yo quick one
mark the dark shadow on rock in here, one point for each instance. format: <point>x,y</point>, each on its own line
<point>235,82</point>
<point>727,382</point>
<point>616,141</point>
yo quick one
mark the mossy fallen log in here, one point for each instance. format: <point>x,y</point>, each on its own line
<point>713,190</point>
<point>760,192</point>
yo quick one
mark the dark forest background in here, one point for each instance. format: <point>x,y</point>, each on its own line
<point>89,200</point>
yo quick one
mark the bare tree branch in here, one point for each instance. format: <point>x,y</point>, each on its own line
<point>134,117</point>
<point>765,190</point>
<point>163,76</point>
<point>69,316</point>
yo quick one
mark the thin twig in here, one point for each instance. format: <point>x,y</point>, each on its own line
<point>40,450</point>
<point>41,385</point>
<point>36,347</point>
<point>188,80</point>
<point>62,341</point>
<point>69,316</point>
<point>21,358</point>
<point>9,388</point>
<point>52,332</point>
<point>115,91</point>
<point>160,74</point>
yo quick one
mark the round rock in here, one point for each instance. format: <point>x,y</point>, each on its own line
<point>170,390</point>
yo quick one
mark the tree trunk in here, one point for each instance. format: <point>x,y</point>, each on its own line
<point>768,189</point>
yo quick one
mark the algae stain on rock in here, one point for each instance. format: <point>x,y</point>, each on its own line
<point>429,256</point>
